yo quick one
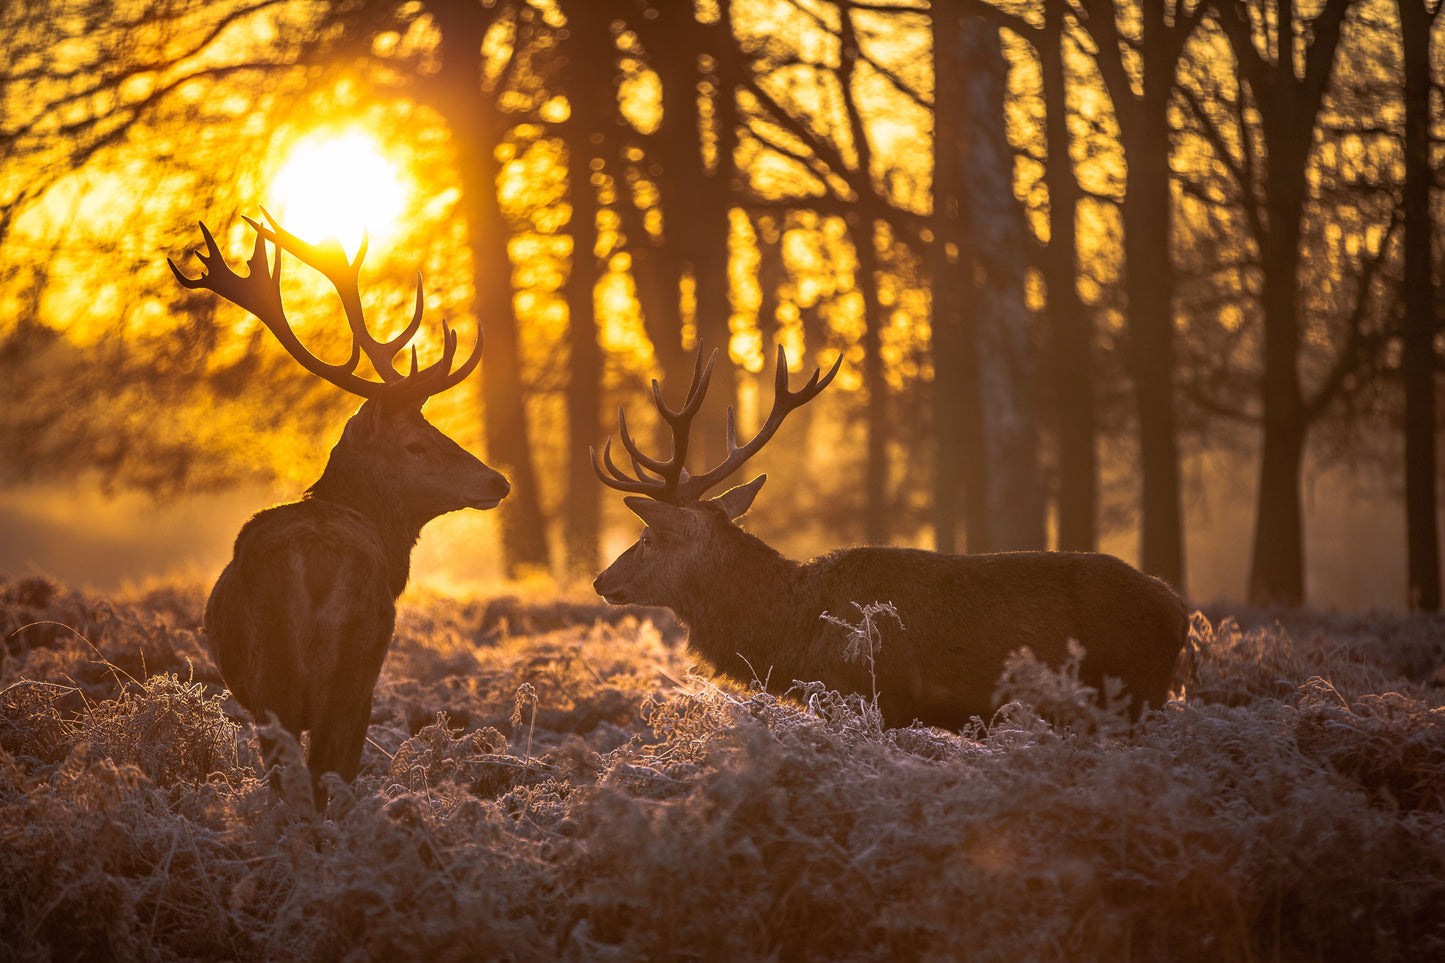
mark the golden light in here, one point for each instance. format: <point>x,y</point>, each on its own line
<point>339,186</point>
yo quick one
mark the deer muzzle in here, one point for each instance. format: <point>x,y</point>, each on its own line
<point>495,488</point>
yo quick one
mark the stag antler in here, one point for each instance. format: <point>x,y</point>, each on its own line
<point>672,483</point>
<point>259,292</point>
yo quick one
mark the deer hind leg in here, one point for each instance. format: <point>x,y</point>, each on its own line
<point>337,739</point>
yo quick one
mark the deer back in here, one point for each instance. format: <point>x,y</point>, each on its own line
<point>962,615</point>
<point>304,610</point>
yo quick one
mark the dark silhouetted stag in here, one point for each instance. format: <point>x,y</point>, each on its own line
<point>753,614</point>
<point>300,620</point>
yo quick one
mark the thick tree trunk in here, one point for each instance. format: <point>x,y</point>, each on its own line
<point>1418,361</point>
<point>955,368</point>
<point>1149,281</point>
<point>1006,373</point>
<point>475,127</point>
<point>1289,106</point>
<point>696,198</point>
<point>1276,575</point>
<point>709,248</point>
<point>875,387</point>
<point>985,421</point>
<point>1277,570</point>
<point>590,54</point>
<point>1071,336</point>
<point>876,507</point>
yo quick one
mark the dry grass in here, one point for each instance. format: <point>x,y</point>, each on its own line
<point>544,780</point>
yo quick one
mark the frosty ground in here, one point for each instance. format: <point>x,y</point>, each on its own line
<point>546,779</point>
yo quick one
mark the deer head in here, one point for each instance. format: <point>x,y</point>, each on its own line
<point>678,551</point>
<point>389,459</point>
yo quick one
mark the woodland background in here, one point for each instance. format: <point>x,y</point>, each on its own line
<point>1090,264</point>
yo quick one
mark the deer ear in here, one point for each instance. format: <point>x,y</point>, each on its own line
<point>737,501</point>
<point>655,513</point>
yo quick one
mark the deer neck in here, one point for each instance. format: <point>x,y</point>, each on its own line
<point>341,485</point>
<point>750,616</point>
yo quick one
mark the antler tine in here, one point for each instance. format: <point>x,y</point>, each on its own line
<point>701,376</point>
<point>413,326</point>
<point>259,292</point>
<point>671,473</point>
<point>419,385</point>
<point>329,259</point>
<point>619,479</point>
<point>636,454</point>
<point>784,402</point>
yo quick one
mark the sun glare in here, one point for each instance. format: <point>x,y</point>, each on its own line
<point>339,186</point>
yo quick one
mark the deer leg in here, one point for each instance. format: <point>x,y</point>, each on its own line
<point>337,740</point>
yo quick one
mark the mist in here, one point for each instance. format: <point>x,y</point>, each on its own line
<point>83,537</point>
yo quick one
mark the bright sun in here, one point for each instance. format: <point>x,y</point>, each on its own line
<point>339,186</point>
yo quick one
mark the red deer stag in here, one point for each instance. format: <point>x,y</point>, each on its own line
<point>300,620</point>
<point>753,614</point>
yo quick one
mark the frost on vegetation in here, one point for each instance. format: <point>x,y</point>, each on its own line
<point>570,792</point>
<point>864,638</point>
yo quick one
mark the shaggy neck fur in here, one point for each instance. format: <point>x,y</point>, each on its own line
<point>749,616</point>
<point>351,482</point>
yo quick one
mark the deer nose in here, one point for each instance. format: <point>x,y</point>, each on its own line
<point>613,593</point>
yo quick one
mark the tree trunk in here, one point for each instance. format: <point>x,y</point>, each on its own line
<point>985,423</point>
<point>1289,105</point>
<point>710,234</point>
<point>590,56</point>
<point>696,198</point>
<point>1149,283</point>
<point>1277,571</point>
<point>955,368</point>
<point>864,225</point>
<point>1276,575</point>
<point>475,127</point>
<point>1418,361</point>
<point>875,388</point>
<point>1006,379</point>
<point>1071,337</point>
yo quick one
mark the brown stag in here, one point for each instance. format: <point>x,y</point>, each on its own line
<point>300,620</point>
<point>753,614</point>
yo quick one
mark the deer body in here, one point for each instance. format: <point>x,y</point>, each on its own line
<point>753,614</point>
<point>300,619</point>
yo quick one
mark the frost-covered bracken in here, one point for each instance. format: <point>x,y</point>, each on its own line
<point>1292,808</point>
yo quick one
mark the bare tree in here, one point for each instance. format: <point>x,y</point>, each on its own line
<point>1285,61</point>
<point>590,53</point>
<point>1419,359</point>
<point>477,123</point>
<point>1071,349</point>
<point>994,384</point>
<point>1155,45</point>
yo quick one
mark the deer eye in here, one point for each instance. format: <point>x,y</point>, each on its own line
<point>646,538</point>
